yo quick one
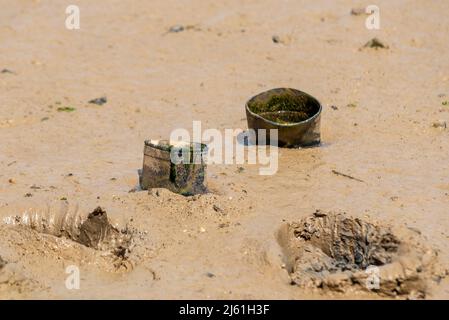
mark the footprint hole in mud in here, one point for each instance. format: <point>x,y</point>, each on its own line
<point>337,252</point>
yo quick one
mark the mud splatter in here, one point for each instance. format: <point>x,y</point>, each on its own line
<point>329,251</point>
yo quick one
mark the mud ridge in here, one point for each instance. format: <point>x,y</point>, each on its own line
<point>93,231</point>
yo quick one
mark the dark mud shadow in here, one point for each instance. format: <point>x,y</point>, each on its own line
<point>249,138</point>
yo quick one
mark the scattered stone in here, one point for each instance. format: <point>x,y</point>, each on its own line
<point>176,28</point>
<point>375,44</point>
<point>440,124</point>
<point>7,71</point>
<point>2,263</point>
<point>99,101</point>
<point>45,118</point>
<point>334,107</point>
<point>35,187</point>
<point>28,195</point>
<point>63,199</point>
<point>12,181</point>
<point>281,39</point>
<point>202,230</point>
<point>240,169</point>
<point>445,103</point>
<point>358,11</point>
<point>441,95</point>
<point>210,275</point>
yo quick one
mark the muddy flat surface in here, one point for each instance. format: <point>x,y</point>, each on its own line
<point>221,245</point>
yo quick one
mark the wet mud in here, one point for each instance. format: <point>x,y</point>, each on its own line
<point>335,252</point>
<point>93,230</point>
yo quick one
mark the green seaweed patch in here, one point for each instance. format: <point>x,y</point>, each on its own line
<point>285,117</point>
<point>284,108</point>
<point>278,102</point>
<point>445,103</point>
<point>66,109</point>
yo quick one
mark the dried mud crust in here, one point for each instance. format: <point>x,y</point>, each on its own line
<point>334,252</point>
<point>94,231</point>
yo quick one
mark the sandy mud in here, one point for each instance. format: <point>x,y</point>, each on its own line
<point>77,105</point>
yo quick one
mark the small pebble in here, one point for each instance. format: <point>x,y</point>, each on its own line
<point>276,39</point>
<point>99,101</point>
<point>358,11</point>
<point>176,28</point>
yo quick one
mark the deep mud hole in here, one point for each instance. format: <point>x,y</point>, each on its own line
<point>338,253</point>
<point>93,231</point>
